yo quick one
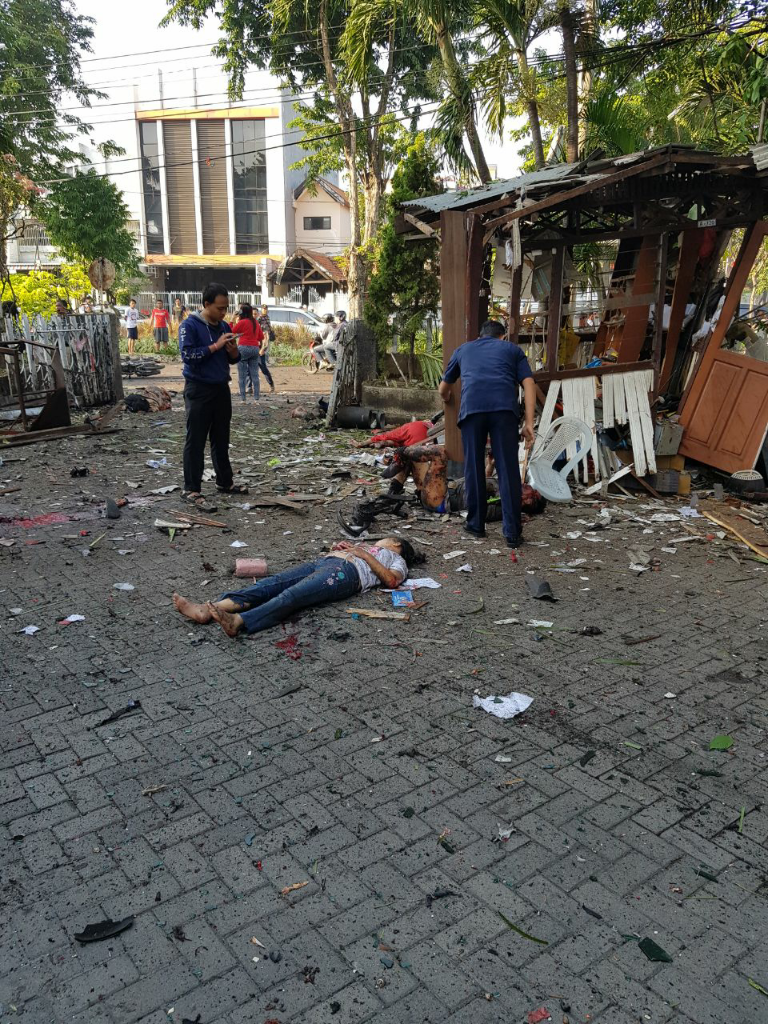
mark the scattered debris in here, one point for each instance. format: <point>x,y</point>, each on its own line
<point>654,952</point>
<point>503,707</point>
<point>130,707</point>
<point>721,742</point>
<point>71,618</point>
<point>454,554</point>
<point>367,613</point>
<point>292,888</point>
<point>104,930</point>
<point>238,544</point>
<point>525,935</point>
<point>79,471</point>
<point>29,630</point>
<point>506,622</point>
<point>587,757</point>
<point>123,586</point>
<point>536,1016</point>
<point>539,589</point>
<point>439,894</point>
<point>151,790</point>
<point>758,988</point>
<point>113,511</point>
<point>464,568</point>
<point>670,695</point>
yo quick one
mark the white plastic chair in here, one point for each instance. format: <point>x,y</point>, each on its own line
<point>562,433</point>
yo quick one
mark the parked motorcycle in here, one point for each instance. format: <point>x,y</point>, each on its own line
<point>144,367</point>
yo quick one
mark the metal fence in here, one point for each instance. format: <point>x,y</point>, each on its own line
<point>85,345</point>
<point>191,300</point>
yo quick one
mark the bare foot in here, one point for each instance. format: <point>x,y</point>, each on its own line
<point>195,612</point>
<point>230,622</point>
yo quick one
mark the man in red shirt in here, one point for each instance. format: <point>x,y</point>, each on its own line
<point>159,321</point>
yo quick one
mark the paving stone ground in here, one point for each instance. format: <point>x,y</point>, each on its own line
<point>361,770</point>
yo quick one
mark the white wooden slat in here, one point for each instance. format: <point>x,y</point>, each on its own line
<point>608,389</point>
<point>635,426</point>
<point>644,385</point>
<point>546,415</point>
<point>570,409</point>
<point>591,394</point>
<point>620,400</point>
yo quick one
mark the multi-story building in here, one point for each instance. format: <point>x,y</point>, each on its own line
<point>209,183</point>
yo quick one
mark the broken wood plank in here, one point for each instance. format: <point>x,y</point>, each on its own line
<point>761,550</point>
<point>368,614</point>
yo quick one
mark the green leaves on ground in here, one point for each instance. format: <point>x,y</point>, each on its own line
<point>722,742</point>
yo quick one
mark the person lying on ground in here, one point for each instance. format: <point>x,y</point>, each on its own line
<point>348,570</point>
<point>427,464</point>
<point>410,433</point>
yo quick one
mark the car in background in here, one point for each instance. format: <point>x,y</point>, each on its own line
<point>121,311</point>
<point>294,317</point>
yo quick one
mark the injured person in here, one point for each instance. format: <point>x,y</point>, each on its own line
<point>427,464</point>
<point>347,570</point>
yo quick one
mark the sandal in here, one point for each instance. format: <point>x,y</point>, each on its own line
<point>198,500</point>
<point>234,489</point>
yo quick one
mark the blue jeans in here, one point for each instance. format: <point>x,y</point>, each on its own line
<point>248,368</point>
<point>277,598</point>
<point>265,369</point>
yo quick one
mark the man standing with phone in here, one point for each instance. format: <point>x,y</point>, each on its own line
<point>208,348</point>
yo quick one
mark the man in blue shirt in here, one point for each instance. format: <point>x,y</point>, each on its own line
<point>208,348</point>
<point>491,371</point>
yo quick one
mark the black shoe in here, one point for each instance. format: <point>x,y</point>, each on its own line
<point>514,542</point>
<point>395,489</point>
<point>474,533</point>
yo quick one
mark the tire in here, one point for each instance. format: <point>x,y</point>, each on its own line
<point>309,363</point>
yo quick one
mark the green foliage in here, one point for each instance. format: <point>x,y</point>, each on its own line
<point>38,291</point>
<point>405,286</point>
<point>86,219</point>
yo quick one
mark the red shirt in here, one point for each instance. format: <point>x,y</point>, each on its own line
<point>248,332</point>
<point>409,433</point>
<point>160,317</point>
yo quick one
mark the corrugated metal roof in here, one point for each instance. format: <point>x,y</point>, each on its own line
<point>494,190</point>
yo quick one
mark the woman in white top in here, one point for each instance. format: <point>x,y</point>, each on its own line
<point>349,569</point>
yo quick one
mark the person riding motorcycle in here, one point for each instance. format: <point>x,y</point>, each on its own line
<point>324,345</point>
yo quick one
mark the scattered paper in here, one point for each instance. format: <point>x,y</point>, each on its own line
<point>126,551</point>
<point>165,490</point>
<point>635,567</point>
<point>666,517</point>
<point>123,586</point>
<point>133,484</point>
<point>157,463</point>
<point>506,622</point>
<point>502,759</point>
<point>7,542</point>
<point>15,611</point>
<point>71,618</point>
<point>30,630</point>
<point>464,568</point>
<point>690,513</point>
<point>541,624</point>
<point>425,581</point>
<point>238,544</point>
<point>669,551</point>
<point>503,707</point>
<point>454,554</point>
<point>573,535</point>
<point>292,888</point>
<point>670,696</point>
<point>504,831</point>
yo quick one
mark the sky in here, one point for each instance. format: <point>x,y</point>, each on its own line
<point>122,29</point>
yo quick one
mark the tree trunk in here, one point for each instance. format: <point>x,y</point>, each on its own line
<point>373,190</point>
<point>571,85</point>
<point>589,39</point>
<point>532,106</point>
<point>461,93</point>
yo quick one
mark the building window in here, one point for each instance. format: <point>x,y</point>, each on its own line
<point>249,176</point>
<point>34,233</point>
<point>317,223</point>
<point>150,173</point>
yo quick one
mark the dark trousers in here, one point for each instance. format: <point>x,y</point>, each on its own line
<point>209,411</point>
<point>265,370</point>
<point>504,431</point>
<point>277,598</point>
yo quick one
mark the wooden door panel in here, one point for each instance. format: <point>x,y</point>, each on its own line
<point>725,425</point>
<point>710,406</point>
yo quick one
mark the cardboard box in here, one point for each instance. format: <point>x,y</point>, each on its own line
<point>675,462</point>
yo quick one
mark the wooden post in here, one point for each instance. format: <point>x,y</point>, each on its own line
<point>555,305</point>
<point>636,317</point>
<point>661,295</point>
<point>513,329</point>
<point>19,388</point>
<point>474,278</point>
<point>750,247</point>
<point>453,291</point>
<point>686,269</point>
<point>114,344</point>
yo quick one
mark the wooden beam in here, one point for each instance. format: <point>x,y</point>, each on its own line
<point>686,270</point>
<point>516,284</point>
<point>750,247</point>
<point>474,277</point>
<point>558,198</point>
<point>661,296</point>
<point>543,376</point>
<point>554,309</point>
<point>453,272</point>
<point>425,229</point>
<point>636,319</point>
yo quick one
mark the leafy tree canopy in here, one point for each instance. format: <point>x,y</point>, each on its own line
<point>37,291</point>
<point>86,216</point>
